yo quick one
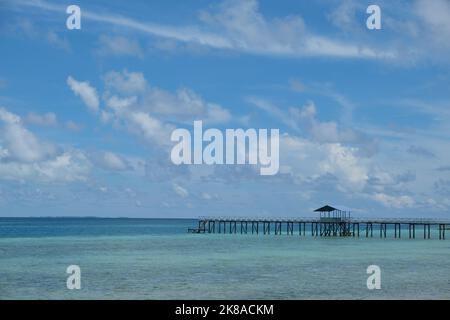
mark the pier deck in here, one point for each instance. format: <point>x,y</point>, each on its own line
<point>354,227</point>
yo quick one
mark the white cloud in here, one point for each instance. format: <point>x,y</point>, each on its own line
<point>308,161</point>
<point>249,31</point>
<point>183,101</point>
<point>151,128</point>
<point>9,117</point>
<point>67,167</point>
<point>319,168</point>
<point>304,120</point>
<point>24,157</point>
<point>291,120</point>
<point>398,202</point>
<point>119,46</point>
<point>149,111</point>
<point>206,196</point>
<point>344,15</point>
<point>125,82</point>
<point>119,104</point>
<point>46,120</point>
<point>111,161</point>
<point>54,39</point>
<point>86,92</point>
<point>114,161</point>
<point>435,16</point>
<point>106,116</point>
<point>179,190</point>
<point>25,27</point>
<point>296,85</point>
<point>217,114</point>
<point>342,162</point>
<point>184,104</point>
<point>33,31</point>
<point>404,33</point>
<point>20,143</point>
<point>73,126</point>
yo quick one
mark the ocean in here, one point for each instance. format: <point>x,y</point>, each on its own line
<point>158,259</point>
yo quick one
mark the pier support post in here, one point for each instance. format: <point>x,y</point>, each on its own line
<point>255,226</point>
<point>278,228</point>
<point>314,229</point>
<point>243,227</point>
<point>290,228</point>
<point>382,230</point>
<point>266,226</point>
<point>369,226</point>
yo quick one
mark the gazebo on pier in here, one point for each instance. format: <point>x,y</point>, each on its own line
<point>333,221</point>
<point>331,214</point>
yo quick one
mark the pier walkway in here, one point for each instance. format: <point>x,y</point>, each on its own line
<point>326,227</point>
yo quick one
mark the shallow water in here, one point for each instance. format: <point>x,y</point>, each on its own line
<point>158,259</point>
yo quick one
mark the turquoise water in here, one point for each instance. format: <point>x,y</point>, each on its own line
<point>158,259</point>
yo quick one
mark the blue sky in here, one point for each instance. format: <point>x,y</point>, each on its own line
<point>86,115</point>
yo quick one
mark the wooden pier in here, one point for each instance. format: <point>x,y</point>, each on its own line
<point>323,227</point>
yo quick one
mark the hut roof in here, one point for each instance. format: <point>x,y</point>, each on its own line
<point>326,208</point>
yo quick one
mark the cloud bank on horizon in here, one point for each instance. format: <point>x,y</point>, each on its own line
<point>86,115</point>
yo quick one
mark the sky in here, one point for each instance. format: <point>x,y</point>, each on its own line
<point>86,115</point>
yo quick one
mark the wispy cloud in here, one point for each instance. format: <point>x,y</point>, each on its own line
<point>239,26</point>
<point>85,91</point>
<point>304,120</point>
